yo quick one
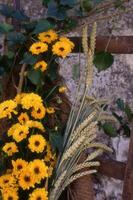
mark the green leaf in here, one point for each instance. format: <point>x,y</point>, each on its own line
<point>126,130</point>
<point>15,38</point>
<point>56,140</point>
<point>109,129</point>
<point>41,26</point>
<point>103,60</point>
<point>128,112</point>
<point>5,28</point>
<point>70,3</point>
<point>45,2</point>
<point>6,10</point>
<point>10,54</point>
<point>58,13</point>
<point>20,15</point>
<point>87,5</point>
<point>120,104</point>
<point>35,76</point>
<point>29,59</point>
<point>53,71</point>
<point>75,71</point>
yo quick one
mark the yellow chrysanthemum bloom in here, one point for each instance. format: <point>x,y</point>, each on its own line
<point>39,170</point>
<point>18,166</point>
<point>10,195</point>
<point>26,179</point>
<point>48,36</point>
<point>39,193</point>
<point>10,148</point>
<point>62,48</point>
<point>18,98</point>
<point>31,100</point>
<point>37,143</point>
<point>62,89</point>
<point>7,108</point>
<point>39,113</point>
<point>20,133</point>
<point>7,181</point>
<point>35,124</point>
<point>12,129</point>
<point>42,65</point>
<point>38,47</point>
<point>64,39</point>
<point>23,118</point>
<point>50,110</point>
<point>49,155</point>
<point>50,171</point>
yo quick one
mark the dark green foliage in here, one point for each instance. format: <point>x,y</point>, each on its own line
<point>42,25</point>
<point>103,60</point>
<point>109,129</point>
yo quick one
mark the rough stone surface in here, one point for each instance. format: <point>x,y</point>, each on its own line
<point>115,82</point>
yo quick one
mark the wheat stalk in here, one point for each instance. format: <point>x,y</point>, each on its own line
<point>85,165</point>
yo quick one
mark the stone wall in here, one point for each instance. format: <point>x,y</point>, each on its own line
<point>111,84</point>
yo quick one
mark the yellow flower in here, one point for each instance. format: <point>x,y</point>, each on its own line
<point>20,133</point>
<point>50,171</point>
<point>23,118</point>
<point>18,166</point>
<point>49,154</point>
<point>12,129</point>
<point>40,194</point>
<point>37,143</point>
<point>50,110</point>
<point>18,98</point>
<point>6,108</point>
<point>35,124</point>
<point>31,100</point>
<point>62,48</point>
<point>48,36</point>
<point>10,195</point>
<point>62,89</point>
<point>26,179</point>
<point>7,180</point>
<point>64,39</point>
<point>38,47</point>
<point>39,113</point>
<point>39,170</point>
<point>10,148</point>
<point>42,65</point>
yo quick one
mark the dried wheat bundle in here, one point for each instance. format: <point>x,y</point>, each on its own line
<point>81,130</point>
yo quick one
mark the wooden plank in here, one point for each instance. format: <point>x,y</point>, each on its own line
<point>116,45</point>
<point>128,180</point>
<point>112,168</point>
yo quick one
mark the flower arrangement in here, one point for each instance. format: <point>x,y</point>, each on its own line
<point>34,168</point>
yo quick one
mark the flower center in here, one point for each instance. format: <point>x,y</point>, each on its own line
<point>37,143</point>
<point>38,47</point>
<point>36,170</point>
<point>19,167</point>
<point>61,48</point>
<point>38,198</point>
<point>9,149</point>
<point>27,179</point>
<point>39,110</point>
<point>21,132</point>
<point>6,181</point>
<point>10,198</point>
<point>48,36</point>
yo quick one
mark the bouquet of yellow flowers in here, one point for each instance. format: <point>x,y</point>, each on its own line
<point>33,168</point>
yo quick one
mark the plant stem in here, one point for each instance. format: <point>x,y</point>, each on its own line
<point>20,85</point>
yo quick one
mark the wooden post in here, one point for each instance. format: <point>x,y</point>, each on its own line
<point>116,44</point>
<point>128,180</point>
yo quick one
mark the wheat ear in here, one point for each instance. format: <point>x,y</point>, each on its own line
<point>86,165</point>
